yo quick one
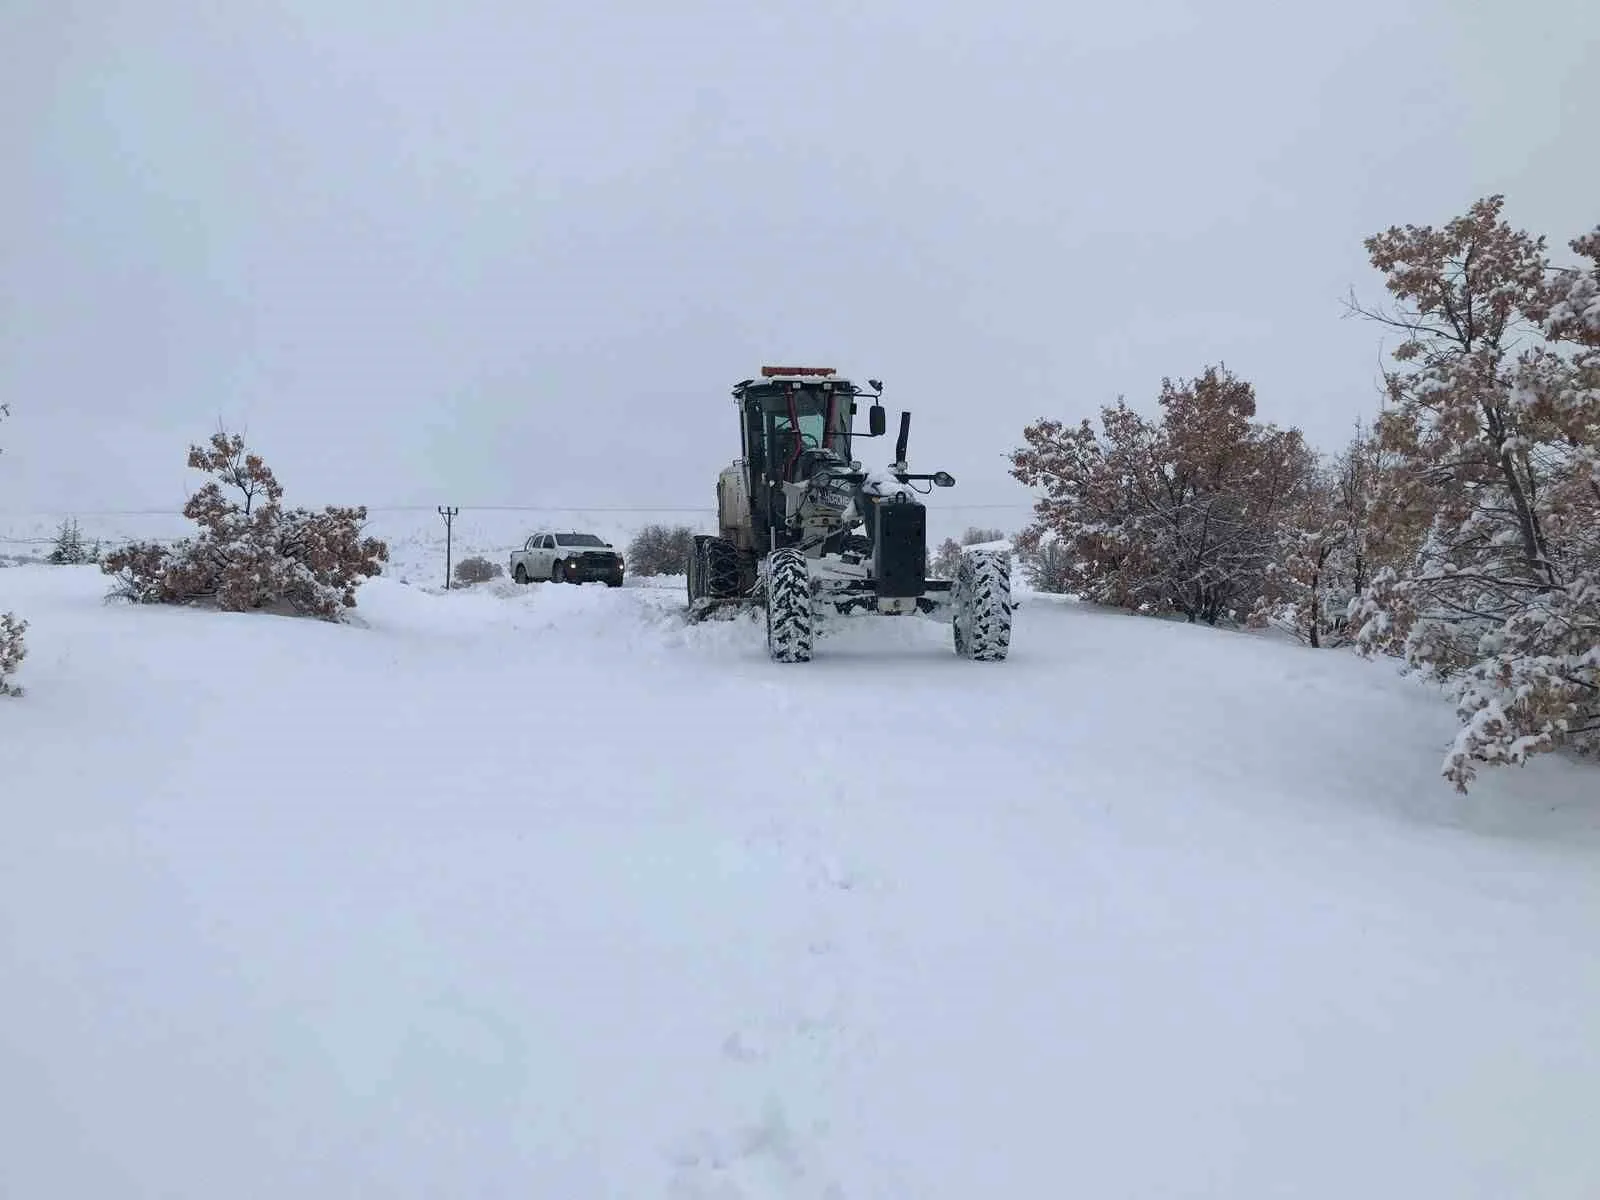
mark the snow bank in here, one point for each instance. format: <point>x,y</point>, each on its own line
<point>553,894</point>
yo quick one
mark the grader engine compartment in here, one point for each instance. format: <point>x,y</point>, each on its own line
<point>806,531</point>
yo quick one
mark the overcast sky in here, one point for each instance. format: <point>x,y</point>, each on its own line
<point>517,252</point>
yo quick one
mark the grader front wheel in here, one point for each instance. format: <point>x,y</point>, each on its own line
<point>981,599</point>
<point>789,615</point>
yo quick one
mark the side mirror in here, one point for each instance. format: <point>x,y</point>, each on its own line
<point>943,479</point>
<point>877,421</point>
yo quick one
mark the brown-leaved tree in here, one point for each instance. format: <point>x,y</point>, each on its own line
<point>1326,547</point>
<point>1492,422</point>
<point>1175,516</point>
<point>477,569</point>
<point>251,552</point>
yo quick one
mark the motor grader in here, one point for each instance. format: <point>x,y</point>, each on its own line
<point>804,529</point>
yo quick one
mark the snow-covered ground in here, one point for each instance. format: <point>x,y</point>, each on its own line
<point>542,893</point>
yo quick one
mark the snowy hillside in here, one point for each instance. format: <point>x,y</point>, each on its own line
<point>541,892</point>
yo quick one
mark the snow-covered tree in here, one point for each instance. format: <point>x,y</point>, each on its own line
<point>251,553</point>
<point>13,649</point>
<point>1177,516</point>
<point>1494,450</point>
<point>977,536</point>
<point>946,559</point>
<point>660,550</point>
<point>1046,560</point>
<point>69,549</point>
<point>1308,566</point>
<point>1325,547</point>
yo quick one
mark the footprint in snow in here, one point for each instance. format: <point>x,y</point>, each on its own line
<point>742,1046</point>
<point>821,869</point>
<point>766,1160</point>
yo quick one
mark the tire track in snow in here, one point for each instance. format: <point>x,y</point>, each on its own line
<point>780,1070</point>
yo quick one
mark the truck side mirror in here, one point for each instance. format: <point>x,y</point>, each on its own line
<point>943,479</point>
<point>877,421</point>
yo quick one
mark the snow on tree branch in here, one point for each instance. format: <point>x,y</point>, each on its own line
<point>1496,447</point>
<point>251,553</point>
<point>13,649</point>
<point>1176,516</point>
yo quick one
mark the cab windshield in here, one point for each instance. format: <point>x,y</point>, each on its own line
<point>805,417</point>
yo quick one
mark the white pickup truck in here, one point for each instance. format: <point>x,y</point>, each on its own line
<point>567,558</point>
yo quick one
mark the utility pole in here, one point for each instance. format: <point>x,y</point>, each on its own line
<point>449,515</point>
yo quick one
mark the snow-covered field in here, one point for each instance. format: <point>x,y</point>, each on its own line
<point>417,537</point>
<point>542,893</point>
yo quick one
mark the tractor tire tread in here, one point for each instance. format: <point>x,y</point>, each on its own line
<point>983,606</point>
<point>789,612</point>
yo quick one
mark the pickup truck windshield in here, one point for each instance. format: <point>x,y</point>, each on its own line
<point>578,539</point>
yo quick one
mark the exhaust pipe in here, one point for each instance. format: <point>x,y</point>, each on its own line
<point>900,442</point>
